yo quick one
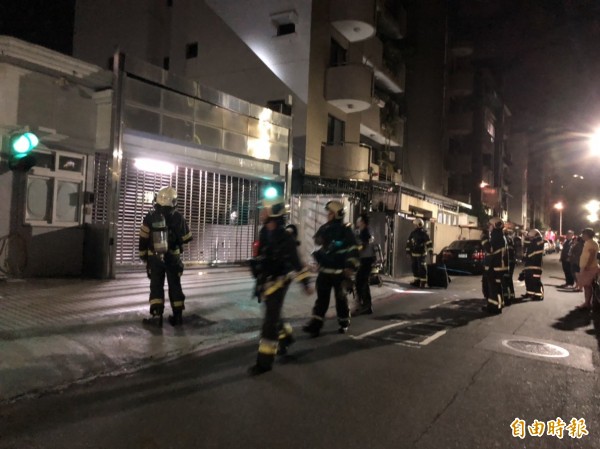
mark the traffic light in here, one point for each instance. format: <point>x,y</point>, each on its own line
<point>20,148</point>
<point>272,191</point>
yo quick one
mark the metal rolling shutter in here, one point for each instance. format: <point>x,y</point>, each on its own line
<point>220,210</point>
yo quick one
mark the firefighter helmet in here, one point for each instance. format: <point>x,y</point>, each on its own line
<point>534,233</point>
<point>337,208</point>
<point>496,222</point>
<point>275,207</point>
<point>418,222</point>
<point>167,197</point>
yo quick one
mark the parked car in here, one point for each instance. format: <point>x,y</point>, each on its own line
<point>463,256</point>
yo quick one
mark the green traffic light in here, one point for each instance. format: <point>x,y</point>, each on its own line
<point>24,143</point>
<point>270,192</point>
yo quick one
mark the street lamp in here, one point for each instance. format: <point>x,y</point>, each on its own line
<point>559,207</point>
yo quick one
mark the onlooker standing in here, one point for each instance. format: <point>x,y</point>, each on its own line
<point>574,256</point>
<point>564,260</point>
<point>588,264</point>
<point>367,259</point>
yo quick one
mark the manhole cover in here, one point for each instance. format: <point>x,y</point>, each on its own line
<point>536,348</point>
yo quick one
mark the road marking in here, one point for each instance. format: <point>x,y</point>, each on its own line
<point>380,329</point>
<point>435,336</point>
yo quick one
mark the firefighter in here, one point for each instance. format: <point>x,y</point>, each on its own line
<point>512,260</point>
<point>418,247</point>
<point>162,235</point>
<point>496,265</point>
<point>532,270</point>
<point>338,261</point>
<point>276,264</point>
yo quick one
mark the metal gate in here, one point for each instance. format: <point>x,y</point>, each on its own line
<point>220,211</point>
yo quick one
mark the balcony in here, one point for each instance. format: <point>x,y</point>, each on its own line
<point>460,124</point>
<point>353,19</point>
<point>391,19</point>
<point>461,83</point>
<point>371,118</point>
<point>389,79</point>
<point>347,161</point>
<point>349,87</point>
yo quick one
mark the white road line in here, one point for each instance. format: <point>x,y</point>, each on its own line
<point>374,331</point>
<point>435,336</point>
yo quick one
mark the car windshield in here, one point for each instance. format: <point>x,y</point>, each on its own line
<point>464,245</point>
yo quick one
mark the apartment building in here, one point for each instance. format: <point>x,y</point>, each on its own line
<point>478,160</point>
<point>335,65</point>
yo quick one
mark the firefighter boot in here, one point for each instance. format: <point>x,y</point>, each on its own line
<point>344,324</point>
<point>313,327</point>
<point>156,312</point>
<point>177,318</point>
<point>415,283</point>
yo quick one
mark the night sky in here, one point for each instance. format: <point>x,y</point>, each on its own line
<point>44,22</point>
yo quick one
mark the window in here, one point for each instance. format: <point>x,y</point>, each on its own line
<point>286,28</point>
<point>169,3</point>
<point>338,54</point>
<point>191,50</point>
<point>54,195</point>
<point>166,62</point>
<point>336,131</point>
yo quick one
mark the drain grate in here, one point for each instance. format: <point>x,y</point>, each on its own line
<point>536,348</point>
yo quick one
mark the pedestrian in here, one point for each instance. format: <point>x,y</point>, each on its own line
<point>367,259</point>
<point>162,235</point>
<point>534,251</point>
<point>337,259</point>
<point>574,256</point>
<point>564,260</point>
<point>276,265</point>
<point>418,247</point>
<point>512,260</point>
<point>496,265</point>
<point>588,264</point>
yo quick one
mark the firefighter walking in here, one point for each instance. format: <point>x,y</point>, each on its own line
<point>418,246</point>
<point>512,260</point>
<point>162,235</point>
<point>532,270</point>
<point>496,267</point>
<point>338,261</point>
<point>276,264</point>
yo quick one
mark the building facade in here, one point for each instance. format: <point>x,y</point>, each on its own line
<point>108,142</point>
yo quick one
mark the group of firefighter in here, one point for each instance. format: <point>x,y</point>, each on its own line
<point>341,257</point>
<point>276,264</point>
<point>499,266</point>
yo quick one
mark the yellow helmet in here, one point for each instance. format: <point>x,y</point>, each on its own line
<point>167,197</point>
<point>337,208</point>
<point>275,207</point>
<point>419,223</point>
<point>534,233</point>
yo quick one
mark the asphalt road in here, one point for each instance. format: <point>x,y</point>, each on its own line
<point>428,369</point>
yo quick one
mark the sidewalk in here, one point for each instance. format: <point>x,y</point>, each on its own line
<point>54,332</point>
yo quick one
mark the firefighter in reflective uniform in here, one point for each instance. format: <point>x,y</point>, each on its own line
<point>512,260</point>
<point>532,270</point>
<point>275,266</point>
<point>163,233</point>
<point>338,261</point>
<point>418,246</point>
<point>496,265</point>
